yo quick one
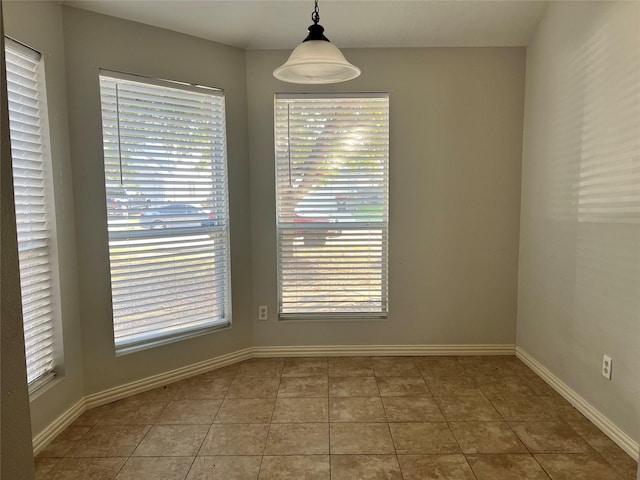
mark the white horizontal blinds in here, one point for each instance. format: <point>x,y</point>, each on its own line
<point>34,215</point>
<point>166,191</point>
<point>332,157</point>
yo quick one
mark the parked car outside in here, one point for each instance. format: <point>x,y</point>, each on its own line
<point>177,215</point>
<point>117,206</point>
<point>332,204</point>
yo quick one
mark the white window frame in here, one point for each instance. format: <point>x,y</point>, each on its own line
<point>358,227</point>
<point>37,245</point>
<point>198,235</point>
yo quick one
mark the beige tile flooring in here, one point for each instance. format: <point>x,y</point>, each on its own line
<point>341,418</point>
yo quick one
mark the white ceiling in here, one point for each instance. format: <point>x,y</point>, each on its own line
<point>267,24</point>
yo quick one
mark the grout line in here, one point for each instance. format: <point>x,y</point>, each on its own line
<point>275,402</point>
<point>548,474</point>
<point>470,467</point>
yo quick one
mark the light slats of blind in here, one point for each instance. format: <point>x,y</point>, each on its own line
<point>167,208</point>
<point>608,141</point>
<point>332,170</point>
<point>25,85</point>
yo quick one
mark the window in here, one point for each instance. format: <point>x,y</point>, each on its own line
<point>33,195</point>
<point>332,177</point>
<point>166,195</point>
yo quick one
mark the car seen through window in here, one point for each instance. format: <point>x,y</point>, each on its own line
<point>177,215</point>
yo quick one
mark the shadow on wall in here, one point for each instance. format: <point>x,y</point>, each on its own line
<point>594,168</point>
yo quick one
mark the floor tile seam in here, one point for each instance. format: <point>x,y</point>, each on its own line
<point>205,438</point>
<point>292,455</point>
<point>161,412</point>
<point>584,437</point>
<point>547,473</point>
<point>455,438</point>
<point>303,375</point>
<point>473,472</point>
<point>601,454</point>
<point>613,466</point>
<point>302,396</point>
<point>162,456</point>
<point>559,453</point>
<point>262,456</point>
<point>487,453</point>
<point>265,423</point>
<point>376,380</point>
<point>556,420</point>
<point>265,442</point>
<point>273,409</point>
<point>329,437</point>
<point>395,450</point>
<point>134,448</point>
<point>121,467</point>
<point>230,455</point>
<point>75,443</point>
<point>520,439</point>
<point>439,409</point>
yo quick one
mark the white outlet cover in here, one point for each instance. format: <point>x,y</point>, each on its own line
<point>606,366</point>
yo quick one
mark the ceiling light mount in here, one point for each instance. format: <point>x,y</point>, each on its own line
<point>316,60</point>
<point>316,31</point>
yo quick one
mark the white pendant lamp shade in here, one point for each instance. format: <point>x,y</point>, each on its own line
<point>316,62</point>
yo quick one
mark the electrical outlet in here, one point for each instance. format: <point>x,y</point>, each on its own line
<point>606,367</point>
<point>262,312</point>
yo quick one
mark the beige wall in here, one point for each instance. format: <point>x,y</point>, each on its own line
<point>456,132</point>
<point>579,279</point>
<point>39,25</point>
<point>95,41</point>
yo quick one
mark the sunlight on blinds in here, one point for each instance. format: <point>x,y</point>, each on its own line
<point>166,188</point>
<point>33,200</point>
<point>332,155</point>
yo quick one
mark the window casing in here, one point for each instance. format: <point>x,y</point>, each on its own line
<point>35,212</point>
<point>332,178</point>
<point>167,209</point>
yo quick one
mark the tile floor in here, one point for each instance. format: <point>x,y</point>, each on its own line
<point>342,418</point>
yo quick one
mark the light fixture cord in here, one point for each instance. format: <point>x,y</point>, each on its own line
<point>119,140</point>
<point>289,142</point>
<point>315,16</point>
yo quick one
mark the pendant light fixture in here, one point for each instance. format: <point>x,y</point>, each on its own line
<point>316,60</point>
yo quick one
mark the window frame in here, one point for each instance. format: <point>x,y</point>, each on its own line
<point>383,313</point>
<point>225,322</point>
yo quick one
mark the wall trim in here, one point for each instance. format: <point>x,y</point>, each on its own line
<point>614,432</point>
<point>56,427</point>
<point>382,350</point>
<point>161,379</point>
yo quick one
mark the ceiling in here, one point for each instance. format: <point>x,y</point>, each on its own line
<point>272,24</point>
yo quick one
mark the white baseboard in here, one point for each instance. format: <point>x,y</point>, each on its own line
<point>41,440</point>
<point>56,427</point>
<point>614,432</point>
<point>382,350</point>
<point>161,379</point>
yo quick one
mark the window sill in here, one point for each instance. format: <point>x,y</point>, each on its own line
<point>157,342</point>
<point>42,385</point>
